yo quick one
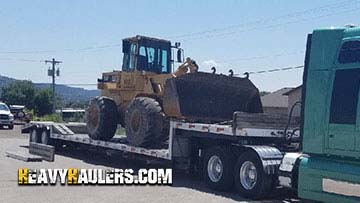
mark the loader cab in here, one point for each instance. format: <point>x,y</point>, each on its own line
<point>146,54</point>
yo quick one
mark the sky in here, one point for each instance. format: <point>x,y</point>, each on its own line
<point>242,35</point>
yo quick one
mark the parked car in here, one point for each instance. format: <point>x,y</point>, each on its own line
<point>6,117</point>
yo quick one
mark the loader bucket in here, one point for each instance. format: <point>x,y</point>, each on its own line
<point>209,96</point>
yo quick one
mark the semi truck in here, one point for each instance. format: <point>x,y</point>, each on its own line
<point>317,154</point>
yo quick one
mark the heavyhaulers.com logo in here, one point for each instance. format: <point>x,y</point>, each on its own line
<point>74,176</point>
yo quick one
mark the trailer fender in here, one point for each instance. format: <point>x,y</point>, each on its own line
<point>27,128</point>
<point>38,133</point>
<point>270,157</point>
<point>34,126</point>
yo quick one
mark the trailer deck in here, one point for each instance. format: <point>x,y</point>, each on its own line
<point>116,143</point>
<point>57,131</point>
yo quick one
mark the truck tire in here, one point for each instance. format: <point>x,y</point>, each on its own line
<point>251,181</point>
<point>11,126</point>
<point>218,168</point>
<point>144,122</point>
<point>101,118</point>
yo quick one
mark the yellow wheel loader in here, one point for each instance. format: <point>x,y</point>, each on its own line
<point>147,93</point>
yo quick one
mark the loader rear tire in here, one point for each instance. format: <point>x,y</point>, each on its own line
<point>144,122</point>
<point>101,118</point>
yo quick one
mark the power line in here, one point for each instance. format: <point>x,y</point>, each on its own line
<point>22,60</point>
<point>262,57</point>
<point>80,84</point>
<point>205,33</point>
<point>232,33</point>
<point>272,70</point>
<point>63,50</point>
<point>248,72</point>
<point>312,11</point>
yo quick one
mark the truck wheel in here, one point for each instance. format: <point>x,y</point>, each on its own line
<point>251,181</point>
<point>101,118</point>
<point>143,122</point>
<point>218,168</point>
<point>11,126</point>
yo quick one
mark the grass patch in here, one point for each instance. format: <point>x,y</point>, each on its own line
<point>120,131</point>
<point>50,117</point>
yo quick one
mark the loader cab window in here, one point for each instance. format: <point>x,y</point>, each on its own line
<point>164,62</point>
<point>344,101</point>
<point>153,59</point>
<point>129,50</point>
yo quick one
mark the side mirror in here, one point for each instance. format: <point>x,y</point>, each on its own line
<point>126,47</point>
<point>180,56</point>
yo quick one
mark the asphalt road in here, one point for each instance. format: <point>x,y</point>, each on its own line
<point>184,189</point>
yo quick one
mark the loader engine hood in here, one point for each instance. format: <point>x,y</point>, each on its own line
<point>207,96</point>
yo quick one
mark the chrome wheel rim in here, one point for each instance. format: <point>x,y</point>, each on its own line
<point>248,175</point>
<point>215,168</point>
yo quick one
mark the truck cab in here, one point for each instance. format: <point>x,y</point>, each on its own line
<point>331,128</point>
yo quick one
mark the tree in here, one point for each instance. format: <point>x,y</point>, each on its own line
<point>43,102</point>
<point>20,93</point>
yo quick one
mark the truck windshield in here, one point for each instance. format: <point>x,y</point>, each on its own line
<point>3,107</point>
<point>153,59</point>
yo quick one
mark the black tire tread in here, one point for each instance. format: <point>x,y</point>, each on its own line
<point>228,159</point>
<point>151,112</point>
<point>108,119</point>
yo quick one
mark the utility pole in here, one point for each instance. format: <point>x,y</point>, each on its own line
<point>52,72</point>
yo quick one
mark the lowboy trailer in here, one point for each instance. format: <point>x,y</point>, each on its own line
<point>211,149</point>
<point>317,155</point>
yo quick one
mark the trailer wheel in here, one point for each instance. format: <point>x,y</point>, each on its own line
<point>34,135</point>
<point>251,181</point>
<point>45,137</point>
<point>101,118</point>
<point>143,122</point>
<point>218,168</point>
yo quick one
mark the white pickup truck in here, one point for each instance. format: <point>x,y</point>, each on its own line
<point>6,117</point>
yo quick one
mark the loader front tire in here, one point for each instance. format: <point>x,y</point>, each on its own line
<point>144,122</point>
<point>101,118</point>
